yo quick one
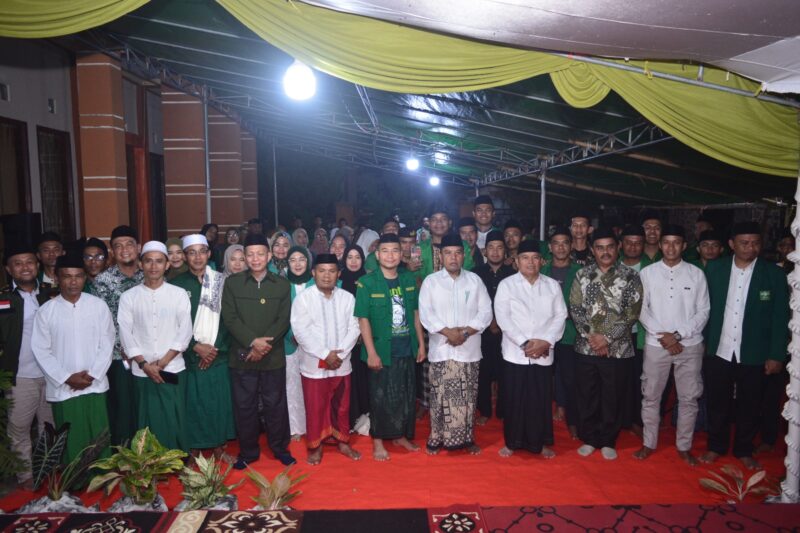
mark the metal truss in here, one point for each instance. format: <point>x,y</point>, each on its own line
<point>632,138</point>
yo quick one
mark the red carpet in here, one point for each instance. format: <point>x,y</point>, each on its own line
<point>415,480</point>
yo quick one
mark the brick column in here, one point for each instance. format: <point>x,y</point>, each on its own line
<point>184,162</point>
<point>225,159</point>
<point>103,171</point>
<point>249,176</point>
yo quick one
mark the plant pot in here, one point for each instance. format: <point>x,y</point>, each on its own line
<point>261,508</point>
<point>126,505</point>
<point>227,503</point>
<point>67,504</point>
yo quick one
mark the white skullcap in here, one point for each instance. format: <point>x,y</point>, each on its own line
<point>194,238</point>
<point>154,246</point>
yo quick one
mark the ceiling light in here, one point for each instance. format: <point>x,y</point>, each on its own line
<point>299,82</point>
<point>440,158</point>
<point>434,181</point>
<point>412,164</point>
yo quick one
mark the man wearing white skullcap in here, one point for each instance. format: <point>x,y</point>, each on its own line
<point>155,327</point>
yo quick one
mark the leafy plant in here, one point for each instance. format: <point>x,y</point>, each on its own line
<point>275,495</point>
<point>205,486</point>
<point>10,463</point>
<point>138,468</point>
<point>48,452</point>
<point>62,478</point>
<point>735,487</point>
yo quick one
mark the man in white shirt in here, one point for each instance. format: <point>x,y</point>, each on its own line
<point>455,308</point>
<point>326,330</point>
<point>155,327</point>
<point>675,310</point>
<point>530,310</point>
<point>73,336</point>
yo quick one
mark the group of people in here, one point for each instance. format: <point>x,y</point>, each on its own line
<point>204,342</point>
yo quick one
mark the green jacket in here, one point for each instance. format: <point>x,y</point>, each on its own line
<point>191,285</point>
<point>765,331</point>
<point>374,303</point>
<point>252,309</point>
<point>11,318</point>
<point>641,333</point>
<point>426,255</point>
<point>569,329</point>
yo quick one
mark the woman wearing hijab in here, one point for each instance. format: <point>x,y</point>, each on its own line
<point>300,237</point>
<point>320,244</point>
<point>351,270</point>
<point>176,259</point>
<point>279,264</point>
<point>299,276</point>
<point>233,260</point>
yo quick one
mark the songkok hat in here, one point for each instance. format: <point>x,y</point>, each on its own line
<point>482,200</point>
<point>124,231</point>
<point>70,260</point>
<point>17,248</point>
<point>603,233</point>
<point>465,221</point>
<point>154,246</point>
<point>560,230</point>
<point>49,236</point>
<point>96,243</point>
<point>452,239</point>
<point>438,207</point>
<point>512,223</point>
<point>387,238</point>
<point>410,233</point>
<point>255,239</point>
<point>326,259</point>
<point>495,235</point>
<point>529,246</point>
<point>632,231</point>
<point>749,227</point>
<point>673,230</point>
<point>195,238</point>
<point>709,235</point>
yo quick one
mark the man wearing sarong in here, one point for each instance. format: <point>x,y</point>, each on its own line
<point>73,336</point>
<point>386,307</point>
<point>209,409</point>
<point>155,326</point>
<point>326,331</point>
<point>455,308</point>
<point>531,312</point>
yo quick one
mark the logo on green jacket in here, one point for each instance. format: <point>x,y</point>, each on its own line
<point>765,296</point>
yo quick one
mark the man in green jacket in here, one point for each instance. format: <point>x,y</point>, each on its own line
<point>746,339</point>
<point>255,310</point>
<point>386,307</point>
<point>563,270</point>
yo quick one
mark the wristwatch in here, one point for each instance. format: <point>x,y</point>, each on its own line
<point>141,364</point>
<point>678,336</point>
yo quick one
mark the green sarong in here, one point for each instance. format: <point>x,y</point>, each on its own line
<point>87,417</point>
<point>209,408</point>
<point>162,408</point>
<point>392,392</point>
<point>121,400</point>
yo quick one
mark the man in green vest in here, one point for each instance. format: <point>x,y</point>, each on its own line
<point>563,270</point>
<point>746,337</point>
<point>386,307</point>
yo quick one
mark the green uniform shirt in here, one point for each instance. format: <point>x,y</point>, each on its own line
<point>569,329</point>
<point>426,255</point>
<point>374,302</point>
<point>252,309</point>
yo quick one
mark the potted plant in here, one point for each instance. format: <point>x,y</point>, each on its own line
<point>10,462</point>
<point>205,487</point>
<point>735,487</point>
<point>137,470</point>
<point>46,466</point>
<point>274,496</point>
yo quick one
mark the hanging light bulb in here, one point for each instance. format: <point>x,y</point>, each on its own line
<point>412,163</point>
<point>299,82</point>
<point>434,181</point>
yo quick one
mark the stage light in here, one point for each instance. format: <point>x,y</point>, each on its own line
<point>434,181</point>
<point>412,164</point>
<point>299,82</point>
<point>440,158</point>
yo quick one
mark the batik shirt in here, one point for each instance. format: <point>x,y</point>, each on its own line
<point>109,286</point>
<point>606,303</point>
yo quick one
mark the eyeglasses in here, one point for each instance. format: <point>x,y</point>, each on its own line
<point>195,253</point>
<point>97,257</point>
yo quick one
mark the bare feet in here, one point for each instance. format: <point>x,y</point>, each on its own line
<point>765,448</point>
<point>379,452</point>
<point>481,420</point>
<point>347,451</point>
<point>558,416</point>
<point>296,437</point>
<point>405,443</point>
<point>750,463</point>
<point>709,457</point>
<point>473,449</point>
<point>548,453</point>
<point>688,458</point>
<point>643,453</point>
<point>505,451</point>
<point>315,455</point>
<point>636,429</point>
<point>573,432</point>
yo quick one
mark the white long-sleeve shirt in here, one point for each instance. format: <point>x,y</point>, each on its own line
<point>152,322</point>
<point>675,299</point>
<point>69,338</point>
<point>526,311</point>
<point>730,341</point>
<point>322,324</point>
<point>462,302</point>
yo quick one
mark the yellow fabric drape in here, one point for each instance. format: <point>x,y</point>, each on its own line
<point>32,19</point>
<point>739,130</point>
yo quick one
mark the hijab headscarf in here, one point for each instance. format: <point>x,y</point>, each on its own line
<point>303,278</point>
<point>300,231</point>
<point>316,247</point>
<point>349,277</point>
<point>227,257</point>
<point>281,265</point>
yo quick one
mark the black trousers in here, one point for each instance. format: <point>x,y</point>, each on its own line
<point>771,406</point>
<point>528,422</point>
<point>632,408</point>
<point>491,369</point>
<point>749,382</point>
<point>566,389</point>
<point>267,388</point>
<point>602,390</point>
